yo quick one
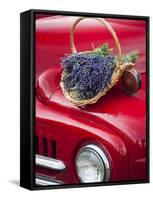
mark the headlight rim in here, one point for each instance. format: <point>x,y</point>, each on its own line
<point>101,153</point>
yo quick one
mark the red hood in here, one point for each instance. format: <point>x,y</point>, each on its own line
<point>124,114</point>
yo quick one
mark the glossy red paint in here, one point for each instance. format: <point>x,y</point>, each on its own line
<point>116,123</point>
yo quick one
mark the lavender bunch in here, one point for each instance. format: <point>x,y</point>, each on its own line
<point>87,74</point>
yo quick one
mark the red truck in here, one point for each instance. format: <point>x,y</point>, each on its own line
<point>103,142</point>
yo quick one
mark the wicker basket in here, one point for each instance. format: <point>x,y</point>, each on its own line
<point>118,71</point>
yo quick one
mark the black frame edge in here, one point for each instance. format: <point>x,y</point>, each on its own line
<point>26,64</point>
<point>76,13</point>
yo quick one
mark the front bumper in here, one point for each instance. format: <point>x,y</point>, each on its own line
<point>49,163</point>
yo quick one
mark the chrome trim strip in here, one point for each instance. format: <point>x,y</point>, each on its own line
<point>45,180</point>
<point>49,163</point>
<point>103,157</point>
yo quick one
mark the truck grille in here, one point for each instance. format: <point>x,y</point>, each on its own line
<point>49,166</point>
<point>45,146</point>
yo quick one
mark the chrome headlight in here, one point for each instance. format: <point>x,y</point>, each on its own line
<point>92,165</point>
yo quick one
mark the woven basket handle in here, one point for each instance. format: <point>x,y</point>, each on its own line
<point>108,26</point>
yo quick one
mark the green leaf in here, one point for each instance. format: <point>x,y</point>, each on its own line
<point>104,50</point>
<point>130,57</point>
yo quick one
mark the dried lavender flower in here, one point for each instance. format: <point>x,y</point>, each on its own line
<point>86,75</point>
